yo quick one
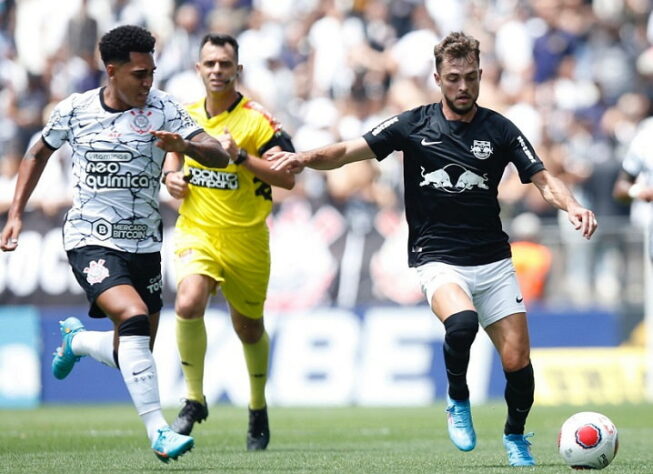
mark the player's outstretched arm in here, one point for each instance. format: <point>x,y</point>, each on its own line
<point>29,173</point>
<point>201,147</point>
<point>325,158</point>
<point>558,195</point>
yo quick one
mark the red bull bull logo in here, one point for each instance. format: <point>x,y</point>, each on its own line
<point>444,178</point>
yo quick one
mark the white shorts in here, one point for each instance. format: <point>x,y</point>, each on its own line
<point>493,288</point>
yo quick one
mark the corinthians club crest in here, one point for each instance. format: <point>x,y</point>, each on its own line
<point>140,122</point>
<point>481,149</point>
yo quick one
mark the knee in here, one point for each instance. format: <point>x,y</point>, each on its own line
<point>249,330</point>
<point>188,306</point>
<point>515,360</point>
<point>461,329</point>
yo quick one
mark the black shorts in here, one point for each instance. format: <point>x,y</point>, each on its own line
<point>99,268</point>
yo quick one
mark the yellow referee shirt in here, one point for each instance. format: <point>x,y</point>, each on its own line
<point>230,197</point>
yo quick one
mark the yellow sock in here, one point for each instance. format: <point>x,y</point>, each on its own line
<point>256,358</point>
<point>191,342</point>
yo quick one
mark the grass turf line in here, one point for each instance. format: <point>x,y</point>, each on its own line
<point>110,438</point>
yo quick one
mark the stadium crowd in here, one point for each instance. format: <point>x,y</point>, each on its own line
<point>574,75</point>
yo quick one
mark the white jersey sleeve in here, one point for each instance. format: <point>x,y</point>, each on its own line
<point>639,157</point>
<point>55,132</point>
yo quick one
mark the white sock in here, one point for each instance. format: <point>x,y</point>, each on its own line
<point>97,344</point>
<point>139,373</point>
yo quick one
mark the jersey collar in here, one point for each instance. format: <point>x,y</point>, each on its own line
<point>104,105</point>
<point>231,108</point>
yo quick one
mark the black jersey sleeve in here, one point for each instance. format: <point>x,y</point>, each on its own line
<point>521,153</point>
<point>389,135</point>
<point>280,139</point>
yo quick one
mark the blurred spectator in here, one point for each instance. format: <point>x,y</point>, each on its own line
<point>556,45</point>
<point>27,108</point>
<point>531,259</point>
<point>82,34</point>
<point>332,37</point>
<point>179,52</point>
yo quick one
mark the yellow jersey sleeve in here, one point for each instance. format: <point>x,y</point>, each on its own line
<point>232,196</point>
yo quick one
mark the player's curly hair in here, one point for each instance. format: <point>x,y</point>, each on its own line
<point>116,45</point>
<point>456,45</point>
<point>220,39</point>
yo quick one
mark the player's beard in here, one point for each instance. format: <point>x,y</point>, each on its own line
<point>458,110</point>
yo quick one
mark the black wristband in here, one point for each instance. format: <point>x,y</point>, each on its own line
<point>242,156</point>
<point>165,175</point>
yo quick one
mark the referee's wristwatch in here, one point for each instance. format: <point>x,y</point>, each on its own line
<point>241,157</point>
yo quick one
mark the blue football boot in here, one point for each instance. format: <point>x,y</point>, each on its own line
<point>519,449</point>
<point>459,421</point>
<point>64,359</point>
<point>170,445</point>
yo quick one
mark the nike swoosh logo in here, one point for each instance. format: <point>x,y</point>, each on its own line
<point>519,300</point>
<point>425,142</point>
<point>82,125</point>
<point>138,372</point>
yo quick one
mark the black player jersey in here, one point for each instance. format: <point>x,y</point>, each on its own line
<point>451,173</point>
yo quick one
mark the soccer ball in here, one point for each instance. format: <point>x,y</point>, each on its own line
<point>588,440</point>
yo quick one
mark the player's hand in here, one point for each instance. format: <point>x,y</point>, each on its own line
<point>285,161</point>
<point>9,238</point>
<point>228,143</point>
<point>170,142</point>
<point>583,220</point>
<point>646,195</point>
<point>177,184</point>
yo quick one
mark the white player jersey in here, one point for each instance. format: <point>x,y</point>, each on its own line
<point>116,168</point>
<point>639,157</point>
<point>638,163</point>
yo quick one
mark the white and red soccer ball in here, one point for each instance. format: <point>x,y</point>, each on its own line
<point>588,440</point>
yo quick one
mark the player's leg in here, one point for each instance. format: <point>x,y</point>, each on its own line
<point>247,273</point>
<point>256,348</point>
<point>96,269</point>
<point>454,307</point>
<point>136,317</point>
<point>99,345</point>
<point>198,271</point>
<point>124,306</point>
<point>193,294</point>
<point>460,320</point>
<point>448,293</point>
<point>503,316</point>
<point>510,337</point>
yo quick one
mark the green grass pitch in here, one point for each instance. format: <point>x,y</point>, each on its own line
<point>110,438</point>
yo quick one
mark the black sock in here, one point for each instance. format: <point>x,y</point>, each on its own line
<point>461,329</point>
<point>519,393</point>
